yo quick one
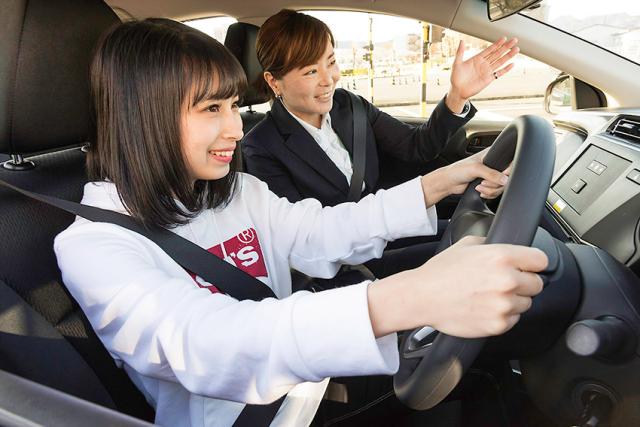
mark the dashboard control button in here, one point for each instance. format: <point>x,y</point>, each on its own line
<point>596,167</point>
<point>578,186</point>
<point>634,176</point>
<point>559,205</point>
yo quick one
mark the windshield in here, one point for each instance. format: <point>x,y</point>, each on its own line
<point>613,25</point>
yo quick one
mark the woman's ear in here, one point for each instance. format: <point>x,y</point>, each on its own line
<point>272,82</point>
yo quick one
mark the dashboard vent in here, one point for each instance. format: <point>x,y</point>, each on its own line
<point>626,127</point>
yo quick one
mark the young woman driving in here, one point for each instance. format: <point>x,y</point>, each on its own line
<point>165,152</point>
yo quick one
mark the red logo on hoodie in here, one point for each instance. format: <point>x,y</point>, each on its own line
<point>244,252</point>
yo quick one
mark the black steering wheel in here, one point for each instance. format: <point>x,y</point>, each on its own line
<point>432,363</point>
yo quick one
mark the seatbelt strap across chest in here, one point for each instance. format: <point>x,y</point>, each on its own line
<point>228,279</point>
<point>359,147</point>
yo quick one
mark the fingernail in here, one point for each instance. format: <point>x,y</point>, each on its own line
<point>504,179</point>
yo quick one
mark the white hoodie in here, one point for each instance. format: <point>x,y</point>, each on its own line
<point>196,353</point>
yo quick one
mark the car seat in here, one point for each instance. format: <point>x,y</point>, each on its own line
<point>241,41</point>
<point>46,48</point>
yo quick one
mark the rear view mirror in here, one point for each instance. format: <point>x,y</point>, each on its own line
<point>498,9</point>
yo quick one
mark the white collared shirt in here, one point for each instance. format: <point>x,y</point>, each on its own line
<point>330,143</point>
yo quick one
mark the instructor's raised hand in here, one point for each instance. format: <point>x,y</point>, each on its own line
<point>469,77</point>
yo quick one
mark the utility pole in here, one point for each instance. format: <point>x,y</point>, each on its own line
<point>353,61</point>
<point>426,43</point>
<point>353,68</point>
<point>371,58</point>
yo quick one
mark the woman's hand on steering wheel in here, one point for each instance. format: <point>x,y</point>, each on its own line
<point>454,178</point>
<point>469,290</point>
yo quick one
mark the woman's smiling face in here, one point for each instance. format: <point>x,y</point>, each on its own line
<point>307,92</point>
<point>209,134</point>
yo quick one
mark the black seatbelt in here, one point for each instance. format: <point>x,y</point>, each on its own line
<point>227,278</point>
<point>359,147</point>
<point>192,257</point>
<point>258,415</point>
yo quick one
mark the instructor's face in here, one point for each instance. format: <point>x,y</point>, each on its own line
<point>307,92</point>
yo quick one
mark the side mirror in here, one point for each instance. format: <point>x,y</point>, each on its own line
<point>498,9</point>
<point>557,97</point>
<point>569,93</point>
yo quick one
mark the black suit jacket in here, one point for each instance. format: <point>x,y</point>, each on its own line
<point>279,151</point>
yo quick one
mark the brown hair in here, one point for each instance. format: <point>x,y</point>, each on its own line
<point>142,74</point>
<point>289,40</point>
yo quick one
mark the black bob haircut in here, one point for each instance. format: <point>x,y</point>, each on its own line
<point>142,74</point>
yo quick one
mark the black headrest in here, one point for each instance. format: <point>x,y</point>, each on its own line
<point>46,48</point>
<point>241,41</point>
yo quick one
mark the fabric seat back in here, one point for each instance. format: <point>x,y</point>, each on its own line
<point>241,41</point>
<point>44,121</point>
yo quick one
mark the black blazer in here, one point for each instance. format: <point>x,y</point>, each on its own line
<point>279,151</point>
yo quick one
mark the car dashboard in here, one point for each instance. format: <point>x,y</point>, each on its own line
<point>595,192</point>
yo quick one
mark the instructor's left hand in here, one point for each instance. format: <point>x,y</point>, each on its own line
<point>470,77</point>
